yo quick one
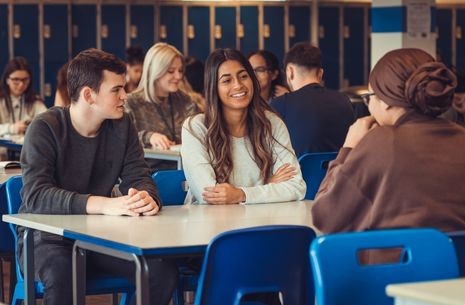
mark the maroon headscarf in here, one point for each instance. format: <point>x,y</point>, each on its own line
<point>411,78</point>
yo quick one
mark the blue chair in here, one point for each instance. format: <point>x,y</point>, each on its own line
<point>7,248</point>
<point>171,186</point>
<point>340,278</point>
<point>314,167</point>
<point>104,285</point>
<point>458,239</point>
<point>257,260</point>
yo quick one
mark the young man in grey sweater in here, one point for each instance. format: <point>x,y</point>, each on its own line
<point>71,159</point>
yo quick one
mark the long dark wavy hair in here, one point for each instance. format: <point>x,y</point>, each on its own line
<point>258,126</point>
<point>16,64</point>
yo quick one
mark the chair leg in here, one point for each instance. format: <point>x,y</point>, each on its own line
<point>2,290</point>
<point>12,278</point>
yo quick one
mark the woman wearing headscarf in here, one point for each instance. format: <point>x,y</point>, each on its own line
<point>402,166</point>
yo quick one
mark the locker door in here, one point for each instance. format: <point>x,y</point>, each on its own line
<point>249,22</point>
<point>444,41</point>
<point>329,44</point>
<point>113,29</point>
<point>225,27</point>
<point>460,40</point>
<point>198,17</point>
<point>354,38</point>
<point>171,28</point>
<point>142,26</point>
<point>299,24</point>
<point>273,30</point>
<point>3,35</point>
<point>84,31</point>
<point>26,37</point>
<point>55,46</point>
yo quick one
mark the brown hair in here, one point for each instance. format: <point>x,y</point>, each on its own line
<point>62,83</point>
<point>305,55</point>
<point>86,69</point>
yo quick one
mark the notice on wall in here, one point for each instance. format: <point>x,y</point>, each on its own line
<point>418,17</point>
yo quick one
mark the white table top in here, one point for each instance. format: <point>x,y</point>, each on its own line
<point>176,226</point>
<point>449,292</point>
<point>160,153</point>
<point>5,174</point>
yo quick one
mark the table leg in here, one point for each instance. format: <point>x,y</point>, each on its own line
<point>142,279</point>
<point>28,255</point>
<point>79,276</point>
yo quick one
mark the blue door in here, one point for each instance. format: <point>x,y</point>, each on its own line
<point>273,18</point>
<point>225,27</point>
<point>3,36</point>
<point>113,32</point>
<point>142,26</point>
<point>171,29</point>
<point>461,41</point>
<point>444,41</point>
<point>55,46</point>
<point>354,46</point>
<point>198,17</point>
<point>299,24</point>
<point>84,31</point>
<point>26,37</point>
<point>329,44</point>
<point>249,35</point>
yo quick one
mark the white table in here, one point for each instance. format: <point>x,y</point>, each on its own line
<point>159,154</point>
<point>5,174</point>
<point>178,230</point>
<point>448,292</point>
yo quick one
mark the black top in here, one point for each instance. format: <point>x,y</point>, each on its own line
<point>317,118</point>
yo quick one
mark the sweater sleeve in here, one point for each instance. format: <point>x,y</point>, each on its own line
<point>290,190</point>
<point>40,192</point>
<point>196,162</point>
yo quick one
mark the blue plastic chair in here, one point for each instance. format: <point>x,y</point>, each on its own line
<point>171,186</point>
<point>104,285</point>
<point>257,260</point>
<point>458,239</point>
<point>340,278</point>
<point>314,167</point>
<point>7,248</point>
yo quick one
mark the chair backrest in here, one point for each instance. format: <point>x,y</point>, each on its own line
<point>340,278</point>
<point>458,239</point>
<point>13,199</point>
<point>257,260</point>
<point>171,186</point>
<point>7,242</point>
<point>314,167</point>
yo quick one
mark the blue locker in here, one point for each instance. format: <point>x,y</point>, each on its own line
<point>249,21</point>
<point>171,21</point>
<point>199,18</point>
<point>354,51</point>
<point>84,32</point>
<point>461,41</point>
<point>142,18</point>
<point>225,17</point>
<point>55,46</point>
<point>26,43</point>
<point>444,41</point>
<point>299,20</point>
<point>3,36</point>
<point>329,44</point>
<point>273,16</point>
<point>114,29</point>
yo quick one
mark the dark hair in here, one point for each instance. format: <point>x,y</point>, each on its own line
<point>16,64</point>
<point>86,69</point>
<point>272,63</point>
<point>194,72</point>
<point>305,55</point>
<point>135,55</point>
<point>62,83</point>
<point>259,130</point>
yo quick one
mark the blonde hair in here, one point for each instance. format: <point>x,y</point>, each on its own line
<point>156,63</point>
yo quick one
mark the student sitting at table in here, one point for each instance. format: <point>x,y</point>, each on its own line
<point>239,150</point>
<point>158,107</point>
<point>71,159</point>
<point>18,102</point>
<point>402,166</point>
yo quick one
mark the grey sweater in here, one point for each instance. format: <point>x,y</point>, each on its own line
<point>61,168</point>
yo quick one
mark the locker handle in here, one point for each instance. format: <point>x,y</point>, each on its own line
<point>163,32</point>
<point>458,32</point>
<point>218,33</point>
<point>75,31</point>
<point>266,31</point>
<point>104,31</point>
<point>291,31</point>
<point>346,32</point>
<point>240,30</point>
<point>47,31</point>
<point>133,31</point>
<point>321,32</point>
<point>17,31</point>
<point>190,31</point>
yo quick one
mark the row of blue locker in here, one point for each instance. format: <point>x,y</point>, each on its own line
<point>49,34</point>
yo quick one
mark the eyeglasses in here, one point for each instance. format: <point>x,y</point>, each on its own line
<point>366,97</point>
<point>17,80</point>
<point>260,70</point>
